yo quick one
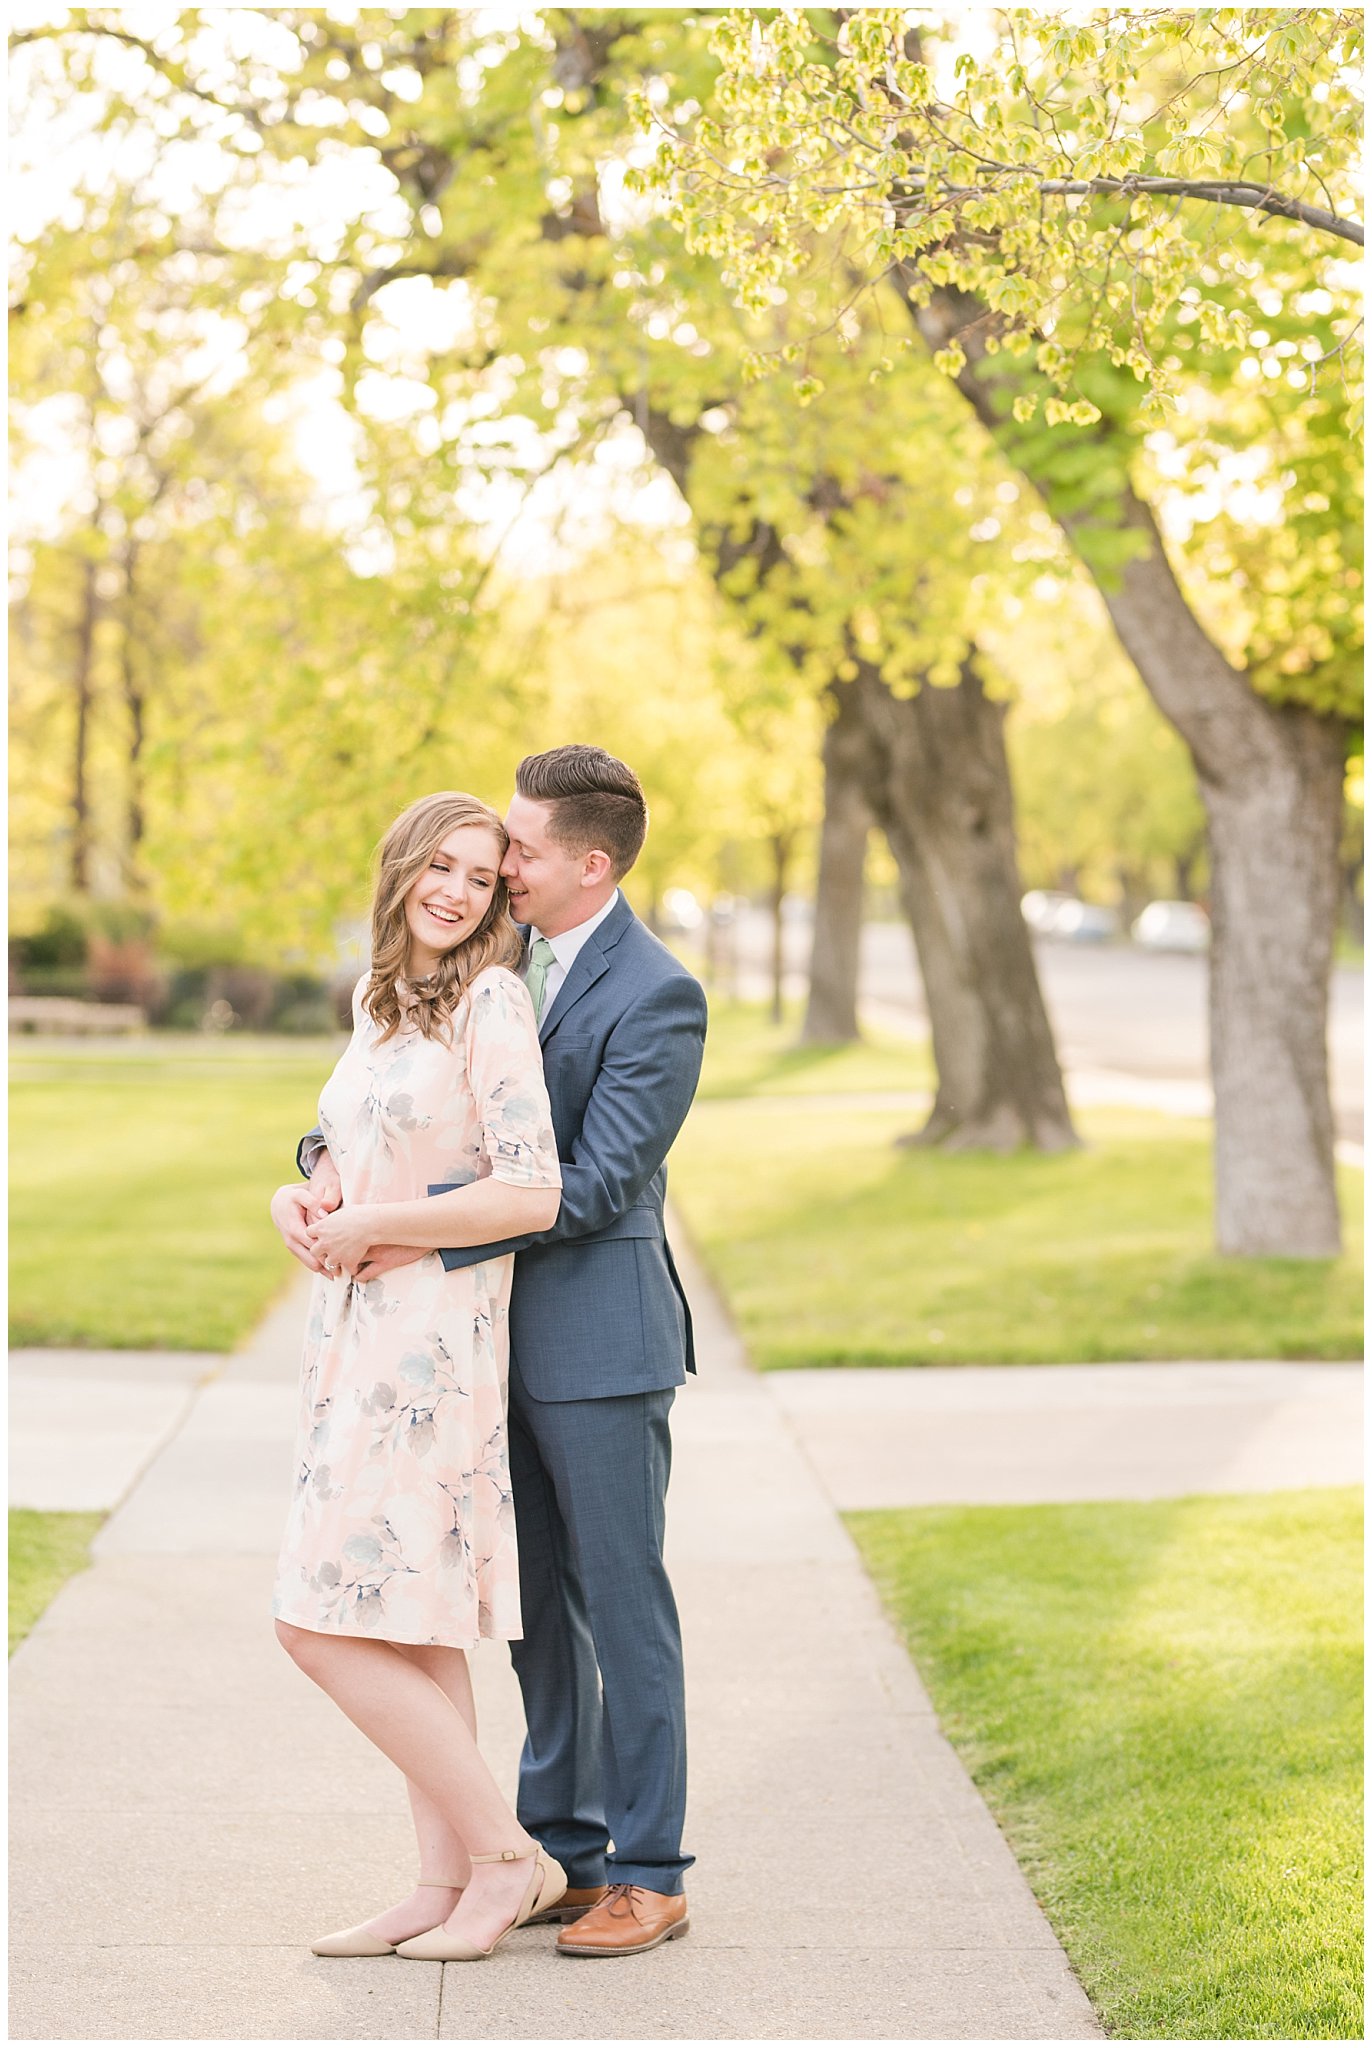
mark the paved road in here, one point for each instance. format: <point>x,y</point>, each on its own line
<point>1113,1007</point>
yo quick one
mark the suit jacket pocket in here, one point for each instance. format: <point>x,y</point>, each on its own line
<point>560,1045</point>
<point>570,1066</point>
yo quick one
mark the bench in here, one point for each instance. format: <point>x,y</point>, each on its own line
<point>67,1015</point>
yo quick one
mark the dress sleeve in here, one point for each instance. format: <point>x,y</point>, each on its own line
<point>505,1070</point>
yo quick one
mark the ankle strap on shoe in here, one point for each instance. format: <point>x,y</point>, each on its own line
<point>507,1856</point>
<point>437,1884</point>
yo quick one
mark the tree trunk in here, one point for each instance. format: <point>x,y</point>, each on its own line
<point>946,807</point>
<point>1274,909</point>
<point>1350,877</point>
<point>135,706</point>
<point>1133,891</point>
<point>831,1007</point>
<point>1271,780</point>
<point>1185,865</point>
<point>82,684</point>
<point>781,864</point>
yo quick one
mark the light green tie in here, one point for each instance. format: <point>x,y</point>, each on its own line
<point>541,958</point>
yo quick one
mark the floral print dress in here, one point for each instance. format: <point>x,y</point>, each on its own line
<point>401,1525</point>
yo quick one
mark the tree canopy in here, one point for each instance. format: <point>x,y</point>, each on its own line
<point>1072,171</point>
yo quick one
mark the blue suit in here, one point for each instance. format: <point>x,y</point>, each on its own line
<point>600,1338</point>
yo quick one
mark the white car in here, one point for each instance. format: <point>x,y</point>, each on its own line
<point>1172,928</point>
<point>1042,907</point>
<point>1050,915</point>
<point>1086,924</point>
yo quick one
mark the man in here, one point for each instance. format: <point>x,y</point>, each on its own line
<point>600,1338</point>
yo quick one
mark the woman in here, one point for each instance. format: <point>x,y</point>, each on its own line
<point>399,1551</point>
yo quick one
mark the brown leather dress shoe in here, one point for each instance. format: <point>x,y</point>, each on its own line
<point>574,1902</point>
<point>629,1921</point>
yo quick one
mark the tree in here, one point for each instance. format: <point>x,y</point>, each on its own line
<point>573,321</point>
<point>1090,295</point>
<point>798,528</point>
<point>199,634</point>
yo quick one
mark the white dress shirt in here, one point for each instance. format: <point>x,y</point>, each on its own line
<point>565,949</point>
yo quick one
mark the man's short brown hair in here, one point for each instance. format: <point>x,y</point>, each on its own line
<point>594,802</point>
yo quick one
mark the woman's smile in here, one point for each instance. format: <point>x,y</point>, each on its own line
<point>442,915</point>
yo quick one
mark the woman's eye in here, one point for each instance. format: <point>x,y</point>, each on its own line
<point>441,866</point>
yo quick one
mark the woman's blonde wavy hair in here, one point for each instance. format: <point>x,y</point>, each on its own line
<point>402,857</point>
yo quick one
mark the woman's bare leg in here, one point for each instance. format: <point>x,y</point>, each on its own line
<point>411,1719</point>
<point>442,1851</point>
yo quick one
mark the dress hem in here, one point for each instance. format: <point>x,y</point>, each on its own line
<point>367,1635</point>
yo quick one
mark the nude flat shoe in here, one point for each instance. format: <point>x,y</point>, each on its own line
<point>356,1941</point>
<point>544,1889</point>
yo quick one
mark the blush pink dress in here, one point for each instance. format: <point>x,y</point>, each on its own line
<point>401,1524</point>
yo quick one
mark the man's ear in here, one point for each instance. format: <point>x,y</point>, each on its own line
<point>597,869</point>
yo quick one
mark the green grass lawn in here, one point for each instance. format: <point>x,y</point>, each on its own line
<point>746,1054</point>
<point>140,1177</point>
<point>1162,1705</point>
<point>835,1248</point>
<point>141,1172</point>
<point>45,1551</point>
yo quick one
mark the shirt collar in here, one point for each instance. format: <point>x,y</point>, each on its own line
<point>567,945</point>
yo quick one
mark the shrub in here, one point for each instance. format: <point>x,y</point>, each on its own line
<point>59,942</point>
<point>123,970</point>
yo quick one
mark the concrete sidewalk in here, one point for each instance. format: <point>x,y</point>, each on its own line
<point>188,1813</point>
<point>920,1436</point>
<point>84,1425</point>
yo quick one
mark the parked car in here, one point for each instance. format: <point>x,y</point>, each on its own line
<point>1172,928</point>
<point>1054,916</point>
<point>1041,907</point>
<point>1086,924</point>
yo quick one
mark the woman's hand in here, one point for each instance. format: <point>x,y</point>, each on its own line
<point>324,1189</point>
<point>342,1239</point>
<point>290,1214</point>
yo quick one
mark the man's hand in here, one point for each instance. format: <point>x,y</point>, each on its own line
<point>384,1258</point>
<point>291,1215</point>
<point>323,1190</point>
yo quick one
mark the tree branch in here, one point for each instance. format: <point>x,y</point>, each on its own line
<point>1218,192</point>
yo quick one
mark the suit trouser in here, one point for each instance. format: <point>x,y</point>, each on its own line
<point>600,1663</point>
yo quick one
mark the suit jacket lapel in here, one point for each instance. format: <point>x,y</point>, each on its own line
<point>587,968</point>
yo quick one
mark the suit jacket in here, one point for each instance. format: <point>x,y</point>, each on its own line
<point>596,1308</point>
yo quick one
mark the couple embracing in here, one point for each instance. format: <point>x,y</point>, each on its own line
<point>495,1335</point>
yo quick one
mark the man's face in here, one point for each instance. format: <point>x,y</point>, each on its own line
<point>546,883</point>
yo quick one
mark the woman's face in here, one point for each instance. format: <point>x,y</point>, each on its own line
<point>448,901</point>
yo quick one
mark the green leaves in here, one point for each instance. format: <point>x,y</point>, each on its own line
<point>1009,292</point>
<point>1034,187</point>
<point>647,217</point>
